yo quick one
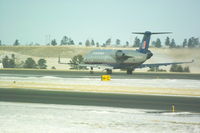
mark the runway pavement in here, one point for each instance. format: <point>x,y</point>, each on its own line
<point>163,103</point>
<point>82,74</point>
<point>184,104</point>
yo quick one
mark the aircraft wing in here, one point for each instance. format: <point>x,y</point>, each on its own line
<point>162,64</point>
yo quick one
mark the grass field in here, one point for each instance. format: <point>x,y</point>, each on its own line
<point>51,53</point>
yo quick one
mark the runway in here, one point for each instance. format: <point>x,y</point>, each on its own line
<point>162,103</point>
<point>82,74</point>
<point>91,82</point>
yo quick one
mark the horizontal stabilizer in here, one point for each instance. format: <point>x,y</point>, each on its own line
<point>161,33</point>
<point>148,32</point>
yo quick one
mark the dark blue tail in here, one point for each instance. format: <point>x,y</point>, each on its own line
<point>146,40</point>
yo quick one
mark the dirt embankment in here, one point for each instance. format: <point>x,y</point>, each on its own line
<point>51,53</point>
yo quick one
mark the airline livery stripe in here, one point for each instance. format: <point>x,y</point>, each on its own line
<point>145,44</point>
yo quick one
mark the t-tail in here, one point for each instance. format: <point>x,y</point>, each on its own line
<point>146,39</point>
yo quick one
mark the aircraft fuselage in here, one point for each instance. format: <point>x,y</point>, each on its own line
<point>116,58</point>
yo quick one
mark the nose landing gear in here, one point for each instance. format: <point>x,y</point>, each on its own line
<point>108,71</point>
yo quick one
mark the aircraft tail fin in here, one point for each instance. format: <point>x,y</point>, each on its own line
<point>146,39</point>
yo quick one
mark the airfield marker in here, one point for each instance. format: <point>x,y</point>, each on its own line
<point>173,108</point>
<point>105,78</point>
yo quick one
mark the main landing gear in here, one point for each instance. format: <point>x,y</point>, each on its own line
<point>108,71</point>
<point>91,70</point>
<point>129,71</point>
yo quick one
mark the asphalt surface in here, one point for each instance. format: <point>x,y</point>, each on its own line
<point>82,74</point>
<point>162,103</point>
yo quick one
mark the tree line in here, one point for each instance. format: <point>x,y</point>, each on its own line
<point>170,43</point>
<point>78,59</point>
<point>173,68</point>
<point>192,42</point>
<point>10,62</point>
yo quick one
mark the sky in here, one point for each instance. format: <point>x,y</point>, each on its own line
<point>38,20</point>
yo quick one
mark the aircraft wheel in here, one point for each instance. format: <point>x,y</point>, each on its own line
<point>91,70</point>
<point>129,71</point>
<point>109,71</point>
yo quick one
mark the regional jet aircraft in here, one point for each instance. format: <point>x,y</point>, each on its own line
<point>109,59</point>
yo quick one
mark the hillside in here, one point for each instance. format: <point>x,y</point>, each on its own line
<point>47,51</point>
<point>51,53</point>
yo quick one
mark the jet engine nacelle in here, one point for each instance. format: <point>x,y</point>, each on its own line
<point>149,54</point>
<point>121,56</point>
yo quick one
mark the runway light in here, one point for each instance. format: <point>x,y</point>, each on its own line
<point>105,77</point>
<point>173,108</point>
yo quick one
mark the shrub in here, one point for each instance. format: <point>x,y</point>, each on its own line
<point>30,63</point>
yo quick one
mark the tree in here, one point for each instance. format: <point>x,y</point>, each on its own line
<point>78,59</point>
<point>53,42</point>
<point>156,69</point>
<point>172,44</point>
<point>42,64</point>
<point>196,42</point>
<point>190,44</point>
<point>117,42</point>
<point>92,43</point>
<point>127,43</point>
<point>173,68</point>
<point>193,42</point>
<point>5,62</point>
<point>179,68</point>
<point>9,63</point>
<point>104,45</point>
<point>167,41</point>
<point>64,40</point>
<point>108,42</point>
<point>153,43</point>
<point>158,43</point>
<point>176,68</point>
<point>71,42</point>
<point>87,43</point>
<point>80,43</point>
<point>16,43</point>
<point>0,43</point>
<point>136,42</point>
<point>12,61</point>
<point>186,69</point>
<point>184,43</point>
<point>97,44</point>
<point>30,63</point>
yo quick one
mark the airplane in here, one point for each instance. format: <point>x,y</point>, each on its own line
<point>109,59</point>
